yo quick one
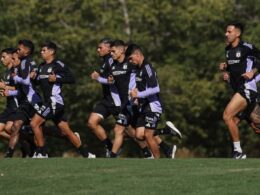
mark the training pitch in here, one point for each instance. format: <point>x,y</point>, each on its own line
<point>128,176</point>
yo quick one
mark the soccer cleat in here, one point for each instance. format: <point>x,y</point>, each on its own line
<point>39,155</point>
<point>174,149</point>
<point>9,153</point>
<point>173,130</point>
<point>239,155</point>
<point>90,155</point>
<point>77,134</point>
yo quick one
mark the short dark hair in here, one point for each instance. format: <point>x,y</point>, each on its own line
<point>117,43</point>
<point>132,48</point>
<point>50,45</point>
<point>237,25</point>
<point>8,50</point>
<point>27,43</point>
<point>106,40</point>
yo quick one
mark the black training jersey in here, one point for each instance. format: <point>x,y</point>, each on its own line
<point>105,71</point>
<point>148,88</point>
<point>237,62</point>
<point>124,76</point>
<point>52,90</point>
<point>26,89</point>
<point>12,101</point>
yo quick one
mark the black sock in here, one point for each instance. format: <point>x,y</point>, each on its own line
<point>83,151</point>
<point>41,150</point>
<point>9,153</point>
<point>113,155</point>
<point>146,152</point>
<point>165,148</point>
<point>108,144</point>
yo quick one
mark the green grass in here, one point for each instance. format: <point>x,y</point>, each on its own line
<point>129,176</point>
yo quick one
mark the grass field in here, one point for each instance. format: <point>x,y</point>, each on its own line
<point>129,176</point>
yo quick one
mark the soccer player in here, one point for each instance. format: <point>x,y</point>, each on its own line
<point>237,70</point>
<point>52,75</point>
<point>110,101</point>
<point>7,85</point>
<point>29,100</point>
<point>146,98</point>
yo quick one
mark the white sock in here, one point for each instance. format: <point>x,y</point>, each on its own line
<point>237,146</point>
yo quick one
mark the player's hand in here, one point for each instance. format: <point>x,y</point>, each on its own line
<point>248,75</point>
<point>2,85</point>
<point>94,75</point>
<point>110,79</point>
<point>133,93</point>
<point>52,77</point>
<point>33,75</point>
<point>226,76</point>
<point>222,66</point>
<point>6,93</point>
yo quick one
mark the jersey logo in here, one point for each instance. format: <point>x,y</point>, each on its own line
<point>124,66</point>
<point>238,54</point>
<point>49,70</point>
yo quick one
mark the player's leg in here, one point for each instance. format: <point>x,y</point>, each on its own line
<point>118,140</point>
<point>149,137</point>
<point>169,151</point>
<point>3,134</point>
<point>101,111</point>
<point>14,138</point>
<point>74,139</point>
<point>36,125</point>
<point>237,104</point>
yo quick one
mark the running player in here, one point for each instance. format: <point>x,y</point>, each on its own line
<point>6,85</point>
<point>146,98</point>
<point>29,100</point>
<point>52,75</point>
<point>238,70</point>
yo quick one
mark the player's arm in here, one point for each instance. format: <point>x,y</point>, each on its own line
<point>24,79</point>
<point>152,83</point>
<point>62,75</point>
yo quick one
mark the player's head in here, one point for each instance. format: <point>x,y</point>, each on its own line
<point>134,54</point>
<point>15,58</point>
<point>104,46</point>
<point>25,48</point>
<point>234,31</point>
<point>117,49</point>
<point>6,56</point>
<point>48,50</point>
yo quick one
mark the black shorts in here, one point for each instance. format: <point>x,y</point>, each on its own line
<point>25,112</point>
<point>105,108</point>
<point>249,95</point>
<point>56,114</point>
<point>149,120</point>
<point>123,118</point>
<point>7,115</point>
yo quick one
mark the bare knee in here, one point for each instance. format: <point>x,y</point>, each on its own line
<point>227,117</point>
<point>119,130</point>
<point>16,126</point>
<point>139,136</point>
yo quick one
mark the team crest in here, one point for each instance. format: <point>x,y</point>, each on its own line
<point>238,54</point>
<point>49,70</point>
<point>125,66</point>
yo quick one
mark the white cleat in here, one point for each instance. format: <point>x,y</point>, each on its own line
<point>39,155</point>
<point>90,155</point>
<point>174,130</point>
